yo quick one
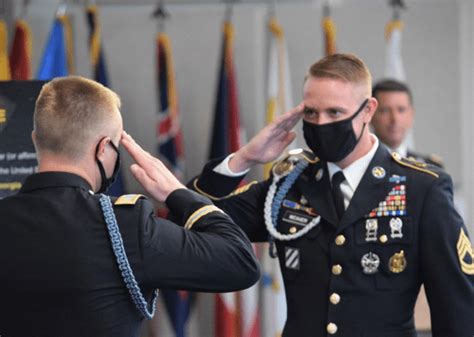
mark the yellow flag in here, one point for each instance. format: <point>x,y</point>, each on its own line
<point>5,74</point>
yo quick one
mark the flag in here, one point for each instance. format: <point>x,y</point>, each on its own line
<point>58,56</point>
<point>226,128</point>
<point>171,152</point>
<point>393,54</point>
<point>225,140</point>
<point>97,59</point>
<point>279,100</point>
<point>329,31</point>
<point>5,74</point>
<point>279,97</point>
<point>20,54</point>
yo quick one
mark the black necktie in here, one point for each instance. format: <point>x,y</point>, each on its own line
<point>337,179</point>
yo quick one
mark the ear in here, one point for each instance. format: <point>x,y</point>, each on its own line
<point>33,137</point>
<point>100,154</point>
<point>370,109</point>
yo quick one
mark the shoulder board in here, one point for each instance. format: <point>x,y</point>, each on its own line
<point>413,164</point>
<point>128,199</point>
<point>286,165</point>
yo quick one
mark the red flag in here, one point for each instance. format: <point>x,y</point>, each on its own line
<point>20,54</point>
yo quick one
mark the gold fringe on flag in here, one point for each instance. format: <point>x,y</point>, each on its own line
<point>5,74</point>
<point>391,26</point>
<point>69,41</point>
<point>329,30</point>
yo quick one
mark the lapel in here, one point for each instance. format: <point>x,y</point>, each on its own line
<point>371,190</point>
<point>318,193</point>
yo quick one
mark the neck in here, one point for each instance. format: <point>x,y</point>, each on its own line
<point>362,148</point>
<point>50,163</point>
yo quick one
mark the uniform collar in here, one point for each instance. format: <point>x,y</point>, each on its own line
<point>355,171</point>
<point>54,179</point>
<point>402,149</point>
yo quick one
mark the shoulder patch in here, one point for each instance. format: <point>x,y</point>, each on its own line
<point>286,165</point>
<point>128,199</point>
<point>413,164</point>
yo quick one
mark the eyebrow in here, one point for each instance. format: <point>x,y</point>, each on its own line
<point>308,109</point>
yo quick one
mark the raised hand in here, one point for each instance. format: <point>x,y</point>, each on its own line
<point>268,144</point>
<point>149,171</point>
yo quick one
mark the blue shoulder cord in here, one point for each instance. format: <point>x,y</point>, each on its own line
<point>278,199</point>
<point>122,260</point>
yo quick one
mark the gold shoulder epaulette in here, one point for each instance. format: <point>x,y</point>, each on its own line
<point>413,164</point>
<point>128,199</point>
<point>286,165</point>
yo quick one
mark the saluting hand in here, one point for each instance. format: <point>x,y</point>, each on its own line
<point>149,171</point>
<point>269,143</point>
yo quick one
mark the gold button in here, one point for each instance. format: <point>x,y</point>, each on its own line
<point>293,230</point>
<point>337,269</point>
<point>331,328</point>
<point>335,298</point>
<point>340,240</point>
<point>383,238</point>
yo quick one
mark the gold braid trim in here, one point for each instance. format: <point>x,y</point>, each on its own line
<point>398,158</point>
<point>199,214</point>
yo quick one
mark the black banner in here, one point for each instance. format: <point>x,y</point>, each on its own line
<point>17,153</point>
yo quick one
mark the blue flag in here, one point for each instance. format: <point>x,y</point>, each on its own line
<point>54,61</point>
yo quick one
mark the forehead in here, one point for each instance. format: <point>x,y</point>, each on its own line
<point>327,92</point>
<point>393,97</point>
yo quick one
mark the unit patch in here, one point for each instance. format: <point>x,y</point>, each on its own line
<point>292,258</point>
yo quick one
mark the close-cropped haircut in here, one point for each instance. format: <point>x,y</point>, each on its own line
<point>69,114</point>
<point>344,67</point>
<point>391,85</point>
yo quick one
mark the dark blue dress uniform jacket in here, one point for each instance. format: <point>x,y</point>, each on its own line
<point>58,274</point>
<point>327,291</point>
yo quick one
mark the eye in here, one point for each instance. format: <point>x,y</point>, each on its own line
<point>309,112</point>
<point>334,112</point>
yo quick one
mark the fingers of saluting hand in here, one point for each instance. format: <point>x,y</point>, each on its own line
<point>288,120</point>
<point>146,161</point>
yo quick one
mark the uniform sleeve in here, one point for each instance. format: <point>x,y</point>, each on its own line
<point>244,205</point>
<point>445,259</point>
<point>203,251</point>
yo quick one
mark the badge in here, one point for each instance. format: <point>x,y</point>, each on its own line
<point>371,227</point>
<point>396,225</point>
<point>397,179</point>
<point>319,174</point>
<point>370,263</point>
<point>303,200</point>
<point>378,172</point>
<point>397,262</point>
<point>299,219</point>
<point>292,258</point>
<point>283,168</point>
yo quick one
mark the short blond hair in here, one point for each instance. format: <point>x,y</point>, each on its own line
<point>344,67</point>
<point>71,112</point>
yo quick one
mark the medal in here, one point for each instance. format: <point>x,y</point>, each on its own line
<point>370,263</point>
<point>397,262</point>
<point>396,225</point>
<point>371,227</point>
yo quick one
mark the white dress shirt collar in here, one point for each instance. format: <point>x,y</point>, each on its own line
<point>355,171</point>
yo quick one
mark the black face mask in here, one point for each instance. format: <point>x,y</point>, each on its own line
<point>107,182</point>
<point>333,142</point>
